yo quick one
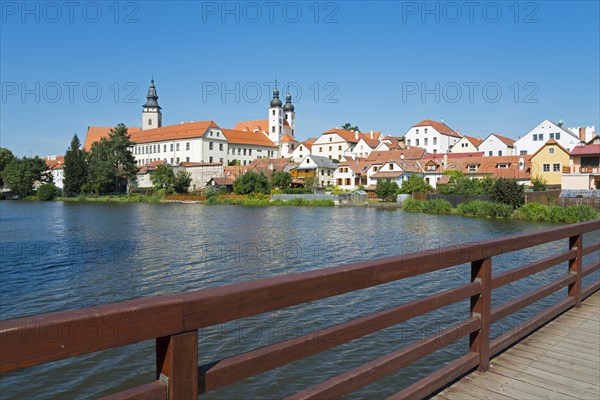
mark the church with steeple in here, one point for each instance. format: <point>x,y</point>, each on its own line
<point>282,118</point>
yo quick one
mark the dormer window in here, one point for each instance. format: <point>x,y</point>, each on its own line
<point>472,168</point>
<point>391,165</point>
<point>502,166</point>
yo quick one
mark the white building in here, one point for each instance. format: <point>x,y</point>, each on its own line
<point>538,136</point>
<point>55,165</point>
<point>365,146</point>
<point>351,174</point>
<point>467,144</point>
<point>321,168</point>
<point>303,149</point>
<point>248,146</point>
<point>433,136</point>
<point>336,143</point>
<point>497,145</point>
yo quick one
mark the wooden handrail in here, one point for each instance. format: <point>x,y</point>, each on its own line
<point>173,320</point>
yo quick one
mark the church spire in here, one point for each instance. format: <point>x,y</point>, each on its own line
<point>152,97</point>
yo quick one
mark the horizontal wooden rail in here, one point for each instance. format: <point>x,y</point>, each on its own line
<point>515,305</point>
<point>590,249</point>
<point>217,374</point>
<point>590,269</point>
<point>513,275</point>
<point>438,379</point>
<point>374,370</point>
<point>173,320</point>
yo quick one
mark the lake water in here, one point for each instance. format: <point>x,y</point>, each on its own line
<point>58,256</point>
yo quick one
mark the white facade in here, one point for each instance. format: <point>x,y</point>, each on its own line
<point>538,136</point>
<point>493,146</point>
<point>246,153</point>
<point>430,139</point>
<point>287,147</point>
<point>464,145</point>
<point>212,146</point>
<point>201,173</point>
<point>588,132</point>
<point>323,169</point>
<point>300,152</point>
<point>331,145</point>
<point>362,149</point>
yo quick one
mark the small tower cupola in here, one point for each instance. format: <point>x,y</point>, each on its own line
<point>152,115</point>
<point>276,102</point>
<point>288,103</point>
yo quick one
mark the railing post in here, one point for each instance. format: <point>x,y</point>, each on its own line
<point>481,305</point>
<point>576,243</point>
<point>177,364</point>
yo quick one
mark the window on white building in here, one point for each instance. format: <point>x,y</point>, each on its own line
<point>425,130</point>
<point>210,145</point>
<point>220,146</point>
<point>187,159</point>
<point>535,137</point>
<point>416,142</point>
<point>171,146</point>
<point>187,145</point>
<point>523,152</point>
<point>177,146</point>
<point>210,159</point>
<point>435,141</point>
<point>541,137</point>
<point>557,136</point>
<point>426,141</point>
<point>499,152</point>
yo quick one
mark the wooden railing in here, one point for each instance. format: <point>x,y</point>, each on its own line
<point>173,320</point>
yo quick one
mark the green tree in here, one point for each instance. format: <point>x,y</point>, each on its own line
<point>41,172</point>
<point>310,182</point>
<point>47,192</point>
<point>281,179</point>
<point>6,156</point>
<point>75,168</point>
<point>386,189</point>
<point>252,182</point>
<point>19,176</point>
<point>508,191</point>
<point>162,177</point>
<point>349,127</point>
<point>233,163</point>
<point>182,181</point>
<point>415,183</point>
<point>111,163</point>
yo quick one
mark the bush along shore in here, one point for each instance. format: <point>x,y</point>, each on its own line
<point>264,200</point>
<point>488,209</point>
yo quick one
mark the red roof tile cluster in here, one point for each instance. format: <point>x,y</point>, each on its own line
<point>490,166</point>
<point>247,137</point>
<point>96,133</point>
<point>352,136</point>
<point>54,162</point>
<point>440,156</point>
<point>585,150</point>
<point>439,126</point>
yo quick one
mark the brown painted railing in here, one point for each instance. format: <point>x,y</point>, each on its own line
<point>173,320</point>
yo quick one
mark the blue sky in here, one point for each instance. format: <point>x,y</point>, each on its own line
<point>496,67</point>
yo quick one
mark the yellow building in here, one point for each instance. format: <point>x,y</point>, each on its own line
<point>548,162</point>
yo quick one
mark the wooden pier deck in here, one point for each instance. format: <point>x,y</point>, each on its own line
<point>559,361</point>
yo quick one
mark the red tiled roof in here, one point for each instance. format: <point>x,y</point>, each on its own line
<point>412,153</point>
<point>288,138</point>
<point>551,142</point>
<point>199,164</point>
<point>489,166</point>
<point>506,140</point>
<point>439,126</point>
<point>262,125</point>
<point>474,141</point>
<point>308,143</point>
<point>247,137</point>
<point>350,136</point>
<point>440,156</point>
<point>96,133</point>
<point>588,149</point>
<point>56,162</point>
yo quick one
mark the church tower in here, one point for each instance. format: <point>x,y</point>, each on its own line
<point>151,116</point>
<point>275,117</point>
<point>290,115</point>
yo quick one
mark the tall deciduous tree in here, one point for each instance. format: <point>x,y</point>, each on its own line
<point>162,177</point>
<point>386,189</point>
<point>19,176</point>
<point>75,168</point>
<point>111,162</point>
<point>6,156</point>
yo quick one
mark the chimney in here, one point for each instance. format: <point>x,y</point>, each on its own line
<point>371,133</point>
<point>521,164</point>
<point>356,135</point>
<point>445,159</point>
<point>582,133</point>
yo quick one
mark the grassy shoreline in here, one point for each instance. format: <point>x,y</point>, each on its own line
<point>486,209</point>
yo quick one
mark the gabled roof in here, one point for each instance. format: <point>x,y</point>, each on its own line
<point>588,149</point>
<point>308,143</point>
<point>474,141</point>
<point>440,156</point>
<point>489,166</point>
<point>186,130</point>
<point>550,142</point>
<point>54,162</point>
<point>261,125</point>
<point>440,127</point>
<point>247,137</point>
<point>358,165</point>
<point>320,161</point>
<point>96,133</point>
<point>506,140</point>
<point>288,138</point>
<point>412,153</point>
<point>351,136</point>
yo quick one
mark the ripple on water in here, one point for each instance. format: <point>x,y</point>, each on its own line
<point>60,256</point>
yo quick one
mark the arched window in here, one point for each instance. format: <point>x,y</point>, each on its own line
<point>149,121</point>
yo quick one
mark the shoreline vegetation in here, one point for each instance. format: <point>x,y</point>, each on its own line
<point>488,209</point>
<point>475,208</point>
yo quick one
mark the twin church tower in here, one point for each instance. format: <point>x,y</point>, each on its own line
<point>281,121</point>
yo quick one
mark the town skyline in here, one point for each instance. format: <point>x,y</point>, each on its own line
<point>400,81</point>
